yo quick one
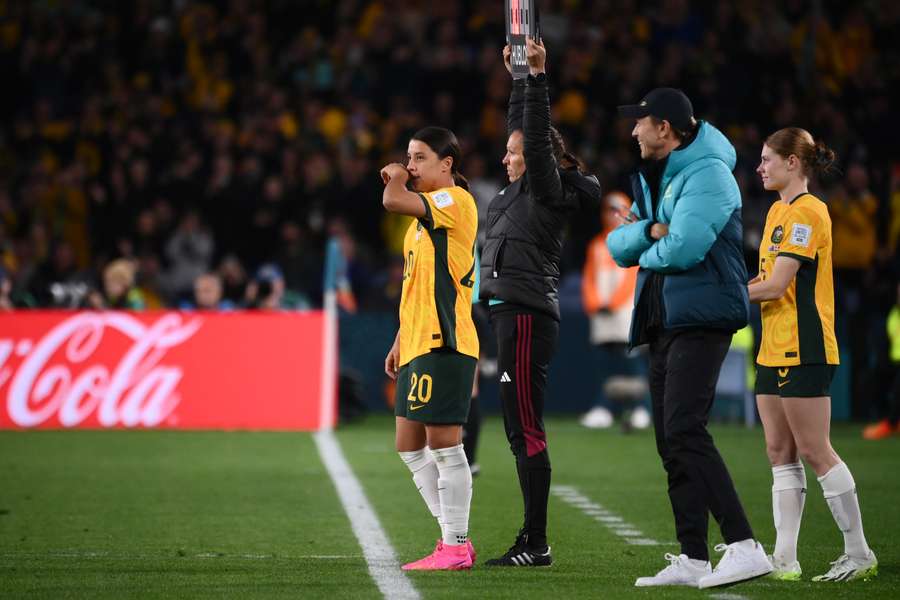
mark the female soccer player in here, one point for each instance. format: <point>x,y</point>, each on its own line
<point>798,356</point>
<point>434,354</point>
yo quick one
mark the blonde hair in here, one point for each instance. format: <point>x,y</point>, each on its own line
<point>121,271</point>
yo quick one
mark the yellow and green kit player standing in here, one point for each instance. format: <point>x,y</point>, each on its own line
<point>798,355</point>
<point>435,351</point>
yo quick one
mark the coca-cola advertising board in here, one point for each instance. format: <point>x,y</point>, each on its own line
<point>155,369</point>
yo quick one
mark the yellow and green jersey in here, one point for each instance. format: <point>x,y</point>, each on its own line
<point>798,328</point>
<point>438,276</point>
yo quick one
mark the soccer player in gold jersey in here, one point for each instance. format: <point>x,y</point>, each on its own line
<point>434,355</point>
<point>798,356</point>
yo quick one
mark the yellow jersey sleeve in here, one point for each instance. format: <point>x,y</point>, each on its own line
<point>442,209</point>
<point>804,233</point>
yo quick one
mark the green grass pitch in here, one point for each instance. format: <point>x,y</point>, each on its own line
<point>154,514</point>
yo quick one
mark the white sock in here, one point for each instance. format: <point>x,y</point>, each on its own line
<point>425,476</point>
<point>840,494</point>
<point>455,491</point>
<point>788,498</point>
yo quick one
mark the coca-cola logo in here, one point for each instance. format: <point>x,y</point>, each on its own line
<point>139,390</point>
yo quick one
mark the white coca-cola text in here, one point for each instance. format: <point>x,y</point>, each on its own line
<point>138,391</point>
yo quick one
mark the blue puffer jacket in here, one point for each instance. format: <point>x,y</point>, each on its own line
<point>701,257</point>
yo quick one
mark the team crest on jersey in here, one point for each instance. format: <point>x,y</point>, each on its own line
<point>442,199</point>
<point>777,234</point>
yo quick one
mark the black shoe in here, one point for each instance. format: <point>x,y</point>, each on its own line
<point>522,555</point>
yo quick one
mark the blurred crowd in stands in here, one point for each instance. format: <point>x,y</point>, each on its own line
<point>177,153</point>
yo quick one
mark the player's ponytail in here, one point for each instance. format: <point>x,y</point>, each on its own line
<point>816,158</point>
<point>564,158</point>
<point>460,180</point>
<point>823,159</point>
<point>444,143</point>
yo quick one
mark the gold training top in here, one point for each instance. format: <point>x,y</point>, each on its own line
<point>798,328</point>
<point>438,276</point>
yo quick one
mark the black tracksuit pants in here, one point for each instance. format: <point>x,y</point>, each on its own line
<point>684,369</point>
<point>526,340</point>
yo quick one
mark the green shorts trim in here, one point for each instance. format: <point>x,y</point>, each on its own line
<point>436,388</point>
<point>800,381</point>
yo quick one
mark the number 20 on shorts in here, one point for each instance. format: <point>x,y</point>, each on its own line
<point>419,388</point>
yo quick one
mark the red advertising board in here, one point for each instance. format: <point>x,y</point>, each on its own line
<point>159,369</point>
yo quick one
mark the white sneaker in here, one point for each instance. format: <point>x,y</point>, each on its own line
<point>640,418</point>
<point>739,563</point>
<point>848,568</point>
<point>679,572</point>
<point>784,571</point>
<point>598,417</point>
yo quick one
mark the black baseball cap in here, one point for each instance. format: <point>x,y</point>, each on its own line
<point>669,104</point>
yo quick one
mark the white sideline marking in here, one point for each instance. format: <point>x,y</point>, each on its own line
<point>377,549</point>
<point>629,533</point>
<point>728,597</point>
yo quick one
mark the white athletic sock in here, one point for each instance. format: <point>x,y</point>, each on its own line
<point>425,476</point>
<point>840,494</point>
<point>455,491</point>
<point>788,498</point>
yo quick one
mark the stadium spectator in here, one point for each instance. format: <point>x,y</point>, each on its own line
<point>11,297</point>
<point>58,281</point>
<point>234,280</point>
<point>685,233</point>
<point>118,288</point>
<point>435,352</point>
<point>189,252</point>
<point>6,301</point>
<point>854,209</point>
<point>798,356</point>
<point>607,293</point>
<point>520,280</point>
<point>149,281</point>
<point>208,294</point>
<point>267,291</point>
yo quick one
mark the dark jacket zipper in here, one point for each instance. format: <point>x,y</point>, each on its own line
<point>498,258</point>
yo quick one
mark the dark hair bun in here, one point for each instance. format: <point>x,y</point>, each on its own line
<point>823,158</point>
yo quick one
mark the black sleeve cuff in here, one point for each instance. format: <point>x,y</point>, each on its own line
<point>800,257</point>
<point>427,220</point>
<point>647,231</point>
<point>539,79</point>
